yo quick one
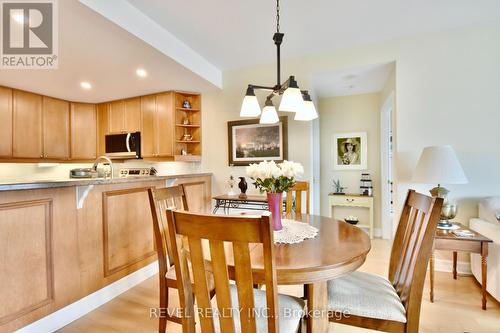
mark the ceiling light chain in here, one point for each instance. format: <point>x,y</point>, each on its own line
<point>293,99</point>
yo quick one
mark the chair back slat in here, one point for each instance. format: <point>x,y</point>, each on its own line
<point>160,199</point>
<point>221,278</point>
<point>244,284</point>
<point>296,192</point>
<point>411,251</point>
<point>201,283</point>
<point>224,233</point>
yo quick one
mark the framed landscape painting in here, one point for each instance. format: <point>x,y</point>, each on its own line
<point>349,151</point>
<point>251,142</point>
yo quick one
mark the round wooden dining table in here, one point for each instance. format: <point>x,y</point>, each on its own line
<point>339,248</point>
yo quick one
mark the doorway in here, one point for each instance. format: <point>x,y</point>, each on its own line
<point>387,170</point>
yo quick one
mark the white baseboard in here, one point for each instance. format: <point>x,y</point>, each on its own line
<point>72,312</point>
<point>443,265</point>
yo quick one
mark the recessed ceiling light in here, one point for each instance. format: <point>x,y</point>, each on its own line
<point>85,85</point>
<point>141,72</point>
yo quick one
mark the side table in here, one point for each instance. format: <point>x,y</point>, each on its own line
<point>447,240</point>
<point>354,200</point>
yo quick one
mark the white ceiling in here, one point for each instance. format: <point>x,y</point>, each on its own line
<point>94,49</point>
<point>232,34</point>
<point>352,81</point>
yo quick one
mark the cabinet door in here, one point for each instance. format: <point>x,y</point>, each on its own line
<point>102,127</point>
<point>117,117</point>
<point>148,135</point>
<point>5,122</point>
<point>133,115</point>
<point>83,131</point>
<point>27,125</point>
<point>55,128</point>
<point>165,124</point>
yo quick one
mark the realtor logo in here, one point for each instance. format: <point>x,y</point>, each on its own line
<point>29,34</point>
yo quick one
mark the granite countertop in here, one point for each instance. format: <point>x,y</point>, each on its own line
<point>39,184</point>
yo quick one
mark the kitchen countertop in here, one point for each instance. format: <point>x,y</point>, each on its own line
<point>47,183</point>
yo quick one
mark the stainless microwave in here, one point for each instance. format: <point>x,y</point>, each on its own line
<point>122,146</point>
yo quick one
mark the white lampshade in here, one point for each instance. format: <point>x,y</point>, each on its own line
<point>307,113</point>
<point>250,107</point>
<point>439,165</point>
<point>269,114</point>
<point>292,100</point>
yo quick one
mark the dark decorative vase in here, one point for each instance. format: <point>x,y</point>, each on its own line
<point>243,187</point>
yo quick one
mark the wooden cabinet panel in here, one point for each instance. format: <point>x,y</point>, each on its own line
<point>117,117</point>
<point>128,235</point>
<point>133,114</point>
<point>148,134</point>
<point>27,125</point>
<point>55,128</point>
<point>165,124</point>
<point>26,269</point>
<point>198,192</point>
<point>102,127</point>
<point>83,131</point>
<point>6,122</point>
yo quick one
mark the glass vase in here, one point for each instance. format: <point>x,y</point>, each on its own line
<point>274,201</point>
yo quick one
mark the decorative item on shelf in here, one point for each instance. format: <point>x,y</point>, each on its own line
<point>231,182</point>
<point>186,104</point>
<point>351,219</point>
<point>243,188</point>
<point>440,165</point>
<point>187,137</point>
<point>338,189</point>
<point>497,215</point>
<point>275,179</point>
<point>366,187</point>
<point>184,152</point>
<point>293,99</point>
<point>185,121</point>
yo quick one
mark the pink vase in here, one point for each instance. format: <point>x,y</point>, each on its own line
<point>274,200</point>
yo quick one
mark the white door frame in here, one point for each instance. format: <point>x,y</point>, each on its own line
<point>386,124</point>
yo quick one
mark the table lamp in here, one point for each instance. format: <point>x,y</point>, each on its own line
<point>440,165</point>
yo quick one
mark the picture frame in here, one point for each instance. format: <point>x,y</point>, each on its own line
<point>251,142</point>
<point>350,151</point>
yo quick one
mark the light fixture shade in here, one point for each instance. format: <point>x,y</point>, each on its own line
<point>292,100</point>
<point>250,107</point>
<point>439,165</point>
<point>307,113</point>
<point>269,114</point>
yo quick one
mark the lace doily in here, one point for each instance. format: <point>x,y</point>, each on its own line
<point>294,232</point>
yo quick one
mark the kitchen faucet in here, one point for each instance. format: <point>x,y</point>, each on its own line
<point>96,163</point>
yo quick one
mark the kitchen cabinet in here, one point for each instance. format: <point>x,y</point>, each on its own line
<point>157,133</point>
<point>56,138</point>
<point>83,131</point>
<point>6,122</point>
<point>164,125</point>
<point>27,125</point>
<point>149,146</point>
<point>125,115</point>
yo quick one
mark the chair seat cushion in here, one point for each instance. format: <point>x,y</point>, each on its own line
<point>291,310</point>
<point>365,295</point>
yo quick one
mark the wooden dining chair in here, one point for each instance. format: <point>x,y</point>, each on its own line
<point>160,200</point>
<point>296,192</point>
<point>241,307</point>
<point>393,304</point>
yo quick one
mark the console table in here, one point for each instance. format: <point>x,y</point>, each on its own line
<point>446,240</point>
<point>354,200</point>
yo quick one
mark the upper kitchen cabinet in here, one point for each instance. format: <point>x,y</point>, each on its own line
<point>27,125</point>
<point>124,115</point>
<point>83,131</point>
<point>187,133</point>
<point>56,138</point>
<point>5,122</point>
<point>149,142</point>
<point>165,124</point>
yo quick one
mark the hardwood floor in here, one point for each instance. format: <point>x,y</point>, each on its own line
<point>457,306</point>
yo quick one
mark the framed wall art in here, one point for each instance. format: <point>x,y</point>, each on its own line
<point>251,142</point>
<point>350,151</point>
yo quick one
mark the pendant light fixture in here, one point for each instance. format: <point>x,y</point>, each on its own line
<point>292,98</point>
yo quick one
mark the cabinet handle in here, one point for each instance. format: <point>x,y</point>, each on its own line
<point>349,200</point>
<point>41,155</point>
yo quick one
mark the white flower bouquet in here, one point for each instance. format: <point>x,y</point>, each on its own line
<point>274,178</point>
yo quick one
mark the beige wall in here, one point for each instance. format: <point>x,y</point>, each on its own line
<point>357,113</point>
